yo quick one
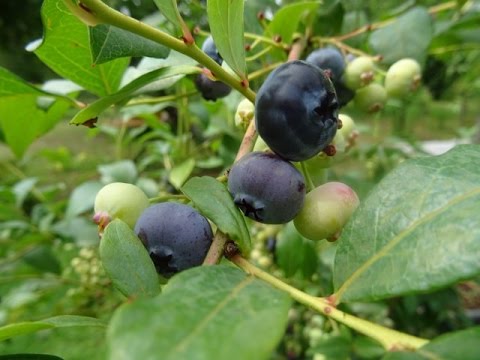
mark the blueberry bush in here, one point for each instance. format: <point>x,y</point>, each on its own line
<point>258,188</point>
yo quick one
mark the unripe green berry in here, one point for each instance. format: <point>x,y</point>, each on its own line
<point>244,114</point>
<point>348,125</point>
<point>402,78</point>
<point>371,98</point>
<point>359,72</point>
<point>119,201</point>
<point>326,210</point>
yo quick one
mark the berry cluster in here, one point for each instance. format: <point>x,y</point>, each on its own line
<point>355,79</point>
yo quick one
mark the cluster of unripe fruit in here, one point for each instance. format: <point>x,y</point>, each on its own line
<point>296,115</point>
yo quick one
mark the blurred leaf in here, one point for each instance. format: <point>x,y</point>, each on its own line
<point>294,253</point>
<point>213,200</point>
<point>82,198</point>
<point>66,50</point>
<point>408,37</point>
<point>83,231</point>
<point>286,19</point>
<point>180,173</point>
<point>109,43</point>
<point>21,328</point>
<point>226,25</point>
<point>197,306</point>
<point>367,348</point>
<point>119,171</point>
<point>29,356</point>
<point>22,189</point>
<point>170,10</point>
<point>333,347</point>
<point>43,259</point>
<point>127,262</point>
<point>416,235</point>
<point>22,119</point>
<point>94,109</point>
<point>459,345</point>
<point>329,18</point>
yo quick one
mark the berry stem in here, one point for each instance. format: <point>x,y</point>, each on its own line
<point>306,175</point>
<point>248,140</point>
<point>215,252</point>
<point>390,339</point>
<point>104,14</point>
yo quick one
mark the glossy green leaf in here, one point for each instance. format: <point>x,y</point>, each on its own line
<point>459,345</point>
<point>417,230</point>
<point>127,262</point>
<point>226,26</point>
<point>408,37</point>
<point>295,253</point>
<point>170,10</point>
<point>92,111</point>
<point>22,118</point>
<point>180,173</point>
<point>21,328</point>
<point>109,42</point>
<point>285,21</point>
<point>66,50</point>
<point>209,312</point>
<point>213,200</point>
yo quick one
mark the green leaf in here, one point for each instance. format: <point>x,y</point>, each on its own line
<point>127,262</point>
<point>22,118</point>
<point>197,306</point>
<point>285,21</point>
<point>226,26</point>
<point>295,253</point>
<point>94,109</point>
<point>118,171</point>
<point>27,327</point>
<point>170,10</point>
<point>66,50</point>
<point>109,43</point>
<point>417,230</point>
<point>408,37</point>
<point>213,200</point>
<point>459,345</point>
<point>82,198</point>
<point>180,173</point>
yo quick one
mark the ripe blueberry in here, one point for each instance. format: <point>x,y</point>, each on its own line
<point>326,210</point>
<point>330,59</point>
<point>210,89</point>
<point>296,110</point>
<point>266,188</point>
<point>176,236</point>
<point>119,201</point>
<point>209,48</point>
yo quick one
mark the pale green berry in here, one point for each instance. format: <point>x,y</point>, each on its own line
<point>326,210</point>
<point>402,78</point>
<point>371,98</point>
<point>359,72</point>
<point>244,114</point>
<point>119,201</point>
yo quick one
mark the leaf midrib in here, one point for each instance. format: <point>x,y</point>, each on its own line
<point>366,265</point>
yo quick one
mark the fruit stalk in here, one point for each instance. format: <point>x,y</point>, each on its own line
<point>390,339</point>
<point>103,13</point>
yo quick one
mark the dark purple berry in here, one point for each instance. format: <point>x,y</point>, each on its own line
<point>209,48</point>
<point>266,188</point>
<point>330,59</point>
<point>296,110</point>
<point>210,89</point>
<point>176,236</point>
